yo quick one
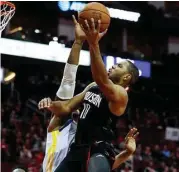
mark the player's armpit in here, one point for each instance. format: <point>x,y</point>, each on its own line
<point>117,108</point>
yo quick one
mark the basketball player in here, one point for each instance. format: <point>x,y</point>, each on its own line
<point>60,135</point>
<point>102,103</point>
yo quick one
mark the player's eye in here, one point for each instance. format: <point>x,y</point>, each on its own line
<point>120,65</point>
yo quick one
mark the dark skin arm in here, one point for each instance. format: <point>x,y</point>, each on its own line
<point>115,94</point>
<point>62,108</point>
<point>77,45</point>
<point>73,58</point>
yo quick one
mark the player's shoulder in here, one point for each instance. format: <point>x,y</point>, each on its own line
<point>90,86</point>
<point>121,92</point>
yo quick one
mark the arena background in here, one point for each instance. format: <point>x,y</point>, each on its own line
<point>34,47</point>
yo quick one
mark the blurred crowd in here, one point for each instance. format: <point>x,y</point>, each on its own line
<point>24,128</point>
<point>22,140</point>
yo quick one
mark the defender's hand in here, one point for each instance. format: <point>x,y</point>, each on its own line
<point>45,103</point>
<point>93,34</point>
<point>79,33</point>
<point>130,140</point>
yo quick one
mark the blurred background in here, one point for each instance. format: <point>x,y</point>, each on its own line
<point>34,48</point>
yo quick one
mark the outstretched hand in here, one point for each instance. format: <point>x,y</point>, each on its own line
<point>45,103</point>
<point>88,31</point>
<point>93,34</point>
<point>130,140</point>
<point>79,33</point>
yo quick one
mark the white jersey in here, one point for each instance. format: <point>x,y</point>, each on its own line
<point>57,145</point>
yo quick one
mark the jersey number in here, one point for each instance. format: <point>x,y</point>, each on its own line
<point>85,111</point>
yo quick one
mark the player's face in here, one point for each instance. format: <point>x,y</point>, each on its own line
<point>116,72</point>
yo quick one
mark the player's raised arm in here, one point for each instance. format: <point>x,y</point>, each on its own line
<point>113,92</point>
<point>112,84</point>
<point>67,87</point>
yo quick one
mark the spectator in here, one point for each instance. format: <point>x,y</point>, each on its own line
<point>162,167</point>
<point>126,169</point>
<point>138,152</point>
<point>25,154</point>
<point>165,151</point>
<point>177,154</point>
<point>147,154</point>
<point>35,119</point>
<point>156,153</point>
<point>37,143</point>
<point>4,150</point>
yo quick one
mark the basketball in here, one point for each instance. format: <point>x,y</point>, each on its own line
<point>97,11</point>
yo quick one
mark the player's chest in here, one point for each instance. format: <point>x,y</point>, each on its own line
<point>93,98</point>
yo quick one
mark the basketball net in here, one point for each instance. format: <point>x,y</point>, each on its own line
<point>7,11</point>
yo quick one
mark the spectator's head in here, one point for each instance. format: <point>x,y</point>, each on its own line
<point>27,142</point>
<point>41,130</point>
<point>18,107</point>
<point>151,163</point>
<point>162,164</point>
<point>139,146</point>
<point>3,141</point>
<point>2,110</point>
<point>24,148</point>
<point>156,147</point>
<point>19,134</point>
<point>27,136</point>
<point>32,129</point>
<point>13,112</point>
<point>4,131</point>
<point>147,149</point>
<point>165,147</point>
<point>19,141</point>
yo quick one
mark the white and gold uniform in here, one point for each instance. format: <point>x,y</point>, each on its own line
<point>59,141</point>
<point>57,145</point>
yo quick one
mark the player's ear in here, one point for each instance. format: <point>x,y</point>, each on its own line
<point>127,77</point>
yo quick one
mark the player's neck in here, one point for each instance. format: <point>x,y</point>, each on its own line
<point>122,84</point>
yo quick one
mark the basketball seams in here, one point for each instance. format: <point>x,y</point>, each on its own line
<point>94,10</point>
<point>88,19</point>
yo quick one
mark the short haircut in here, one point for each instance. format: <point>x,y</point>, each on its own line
<point>134,71</point>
